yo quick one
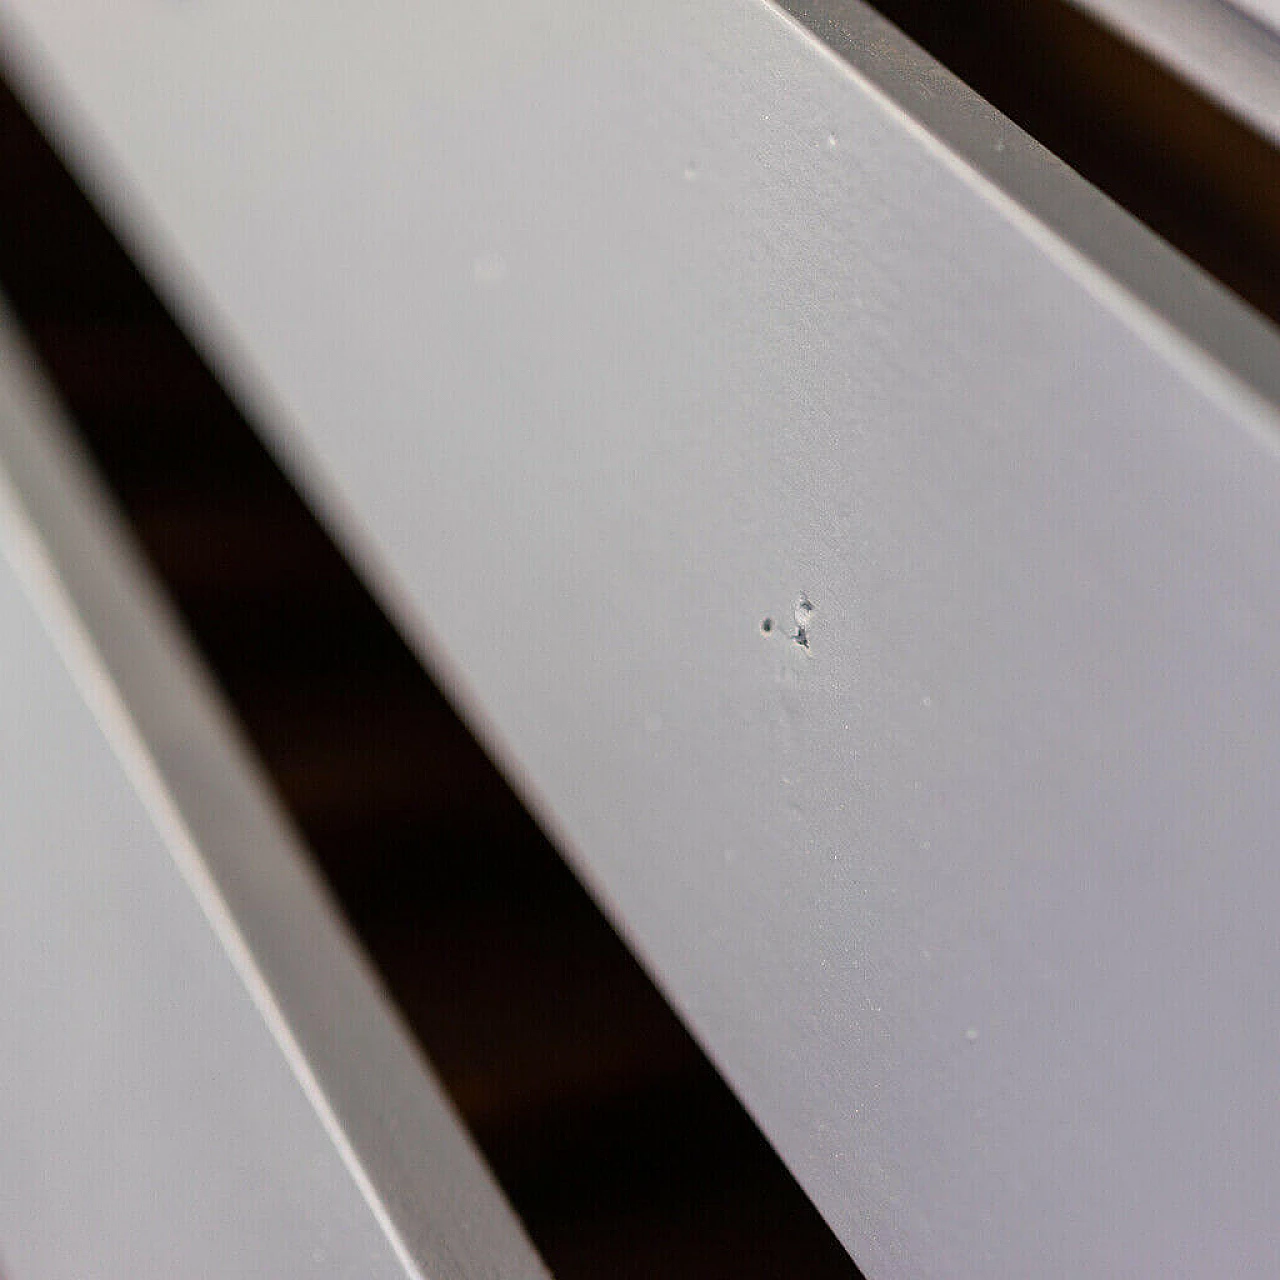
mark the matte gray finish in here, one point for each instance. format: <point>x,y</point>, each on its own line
<point>153,1121</point>
<point>600,332</point>
<point>1266,12</point>
<point>149,1124</point>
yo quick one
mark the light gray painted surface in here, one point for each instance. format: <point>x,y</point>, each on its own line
<point>161,1114</point>
<point>602,331</point>
<point>149,1125</point>
<point>1265,11</point>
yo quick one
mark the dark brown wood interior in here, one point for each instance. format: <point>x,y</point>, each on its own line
<point>1197,176</point>
<point>616,1141</point>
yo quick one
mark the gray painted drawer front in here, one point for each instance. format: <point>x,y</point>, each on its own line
<point>600,332</point>
<point>198,1077</point>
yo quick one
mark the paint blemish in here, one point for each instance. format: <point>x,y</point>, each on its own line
<point>803,614</point>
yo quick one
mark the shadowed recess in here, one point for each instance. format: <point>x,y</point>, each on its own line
<point>614,1138</point>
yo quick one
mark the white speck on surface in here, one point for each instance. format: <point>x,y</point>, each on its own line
<point>489,269</point>
<point>971,1034</point>
<point>653,723</point>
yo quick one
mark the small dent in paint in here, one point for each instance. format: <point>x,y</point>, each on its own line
<point>802,613</point>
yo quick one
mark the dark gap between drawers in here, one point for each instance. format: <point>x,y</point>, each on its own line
<point>1196,175</point>
<point>614,1138</point>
